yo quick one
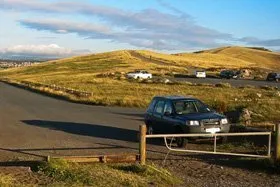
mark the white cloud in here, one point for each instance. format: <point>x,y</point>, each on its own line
<point>51,50</point>
<point>64,26</point>
<point>258,42</point>
<point>149,28</point>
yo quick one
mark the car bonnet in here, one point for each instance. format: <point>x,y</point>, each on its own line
<point>201,116</point>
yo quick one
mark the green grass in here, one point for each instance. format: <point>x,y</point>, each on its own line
<point>73,174</point>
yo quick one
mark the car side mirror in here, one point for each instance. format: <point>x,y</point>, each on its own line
<point>167,113</point>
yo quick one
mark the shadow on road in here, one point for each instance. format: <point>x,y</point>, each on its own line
<point>84,129</point>
<point>134,116</point>
<point>22,152</point>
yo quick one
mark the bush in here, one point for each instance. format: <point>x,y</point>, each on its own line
<point>253,96</point>
<point>223,85</point>
<point>267,87</point>
<point>219,106</point>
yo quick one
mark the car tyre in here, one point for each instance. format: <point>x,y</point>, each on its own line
<point>223,140</point>
<point>181,142</point>
<point>150,130</point>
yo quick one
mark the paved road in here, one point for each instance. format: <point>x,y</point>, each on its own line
<point>32,124</point>
<point>233,82</point>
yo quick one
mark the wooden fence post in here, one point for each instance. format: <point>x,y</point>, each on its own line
<point>142,144</point>
<point>277,144</point>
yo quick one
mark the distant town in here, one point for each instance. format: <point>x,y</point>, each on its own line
<point>20,61</point>
<point>4,64</point>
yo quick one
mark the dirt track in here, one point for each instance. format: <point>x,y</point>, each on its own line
<point>33,126</point>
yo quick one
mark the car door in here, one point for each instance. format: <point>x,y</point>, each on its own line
<point>158,116</point>
<point>168,118</point>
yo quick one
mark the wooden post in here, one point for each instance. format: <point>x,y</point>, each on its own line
<point>277,144</point>
<point>142,144</point>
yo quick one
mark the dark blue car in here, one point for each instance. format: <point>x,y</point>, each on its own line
<point>181,115</point>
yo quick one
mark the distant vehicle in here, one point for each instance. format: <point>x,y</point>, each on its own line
<point>180,115</point>
<point>229,74</point>
<point>200,74</point>
<point>273,77</point>
<point>139,74</point>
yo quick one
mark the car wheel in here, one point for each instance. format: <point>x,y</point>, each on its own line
<point>223,140</point>
<point>150,130</point>
<point>181,142</point>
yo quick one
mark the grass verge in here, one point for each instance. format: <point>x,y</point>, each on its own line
<point>73,174</point>
<point>6,180</point>
<point>264,103</point>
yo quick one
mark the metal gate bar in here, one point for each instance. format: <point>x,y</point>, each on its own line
<point>165,136</point>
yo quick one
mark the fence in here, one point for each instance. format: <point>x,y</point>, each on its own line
<point>36,86</point>
<point>143,137</point>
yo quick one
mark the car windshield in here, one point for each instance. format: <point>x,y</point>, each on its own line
<point>183,107</point>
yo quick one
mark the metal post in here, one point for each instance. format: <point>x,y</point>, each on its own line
<point>142,144</point>
<point>215,143</point>
<point>277,144</point>
<point>269,145</point>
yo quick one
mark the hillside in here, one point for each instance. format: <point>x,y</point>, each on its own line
<point>258,57</point>
<point>160,63</point>
<point>90,65</point>
<point>97,74</point>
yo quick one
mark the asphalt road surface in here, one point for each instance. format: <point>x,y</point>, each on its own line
<point>233,82</point>
<point>33,125</point>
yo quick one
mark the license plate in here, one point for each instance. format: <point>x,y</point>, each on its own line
<point>213,130</point>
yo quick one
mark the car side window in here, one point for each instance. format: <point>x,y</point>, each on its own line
<point>159,107</point>
<point>168,107</point>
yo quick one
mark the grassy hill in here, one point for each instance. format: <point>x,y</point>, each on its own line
<point>129,60</point>
<point>257,57</point>
<point>92,73</point>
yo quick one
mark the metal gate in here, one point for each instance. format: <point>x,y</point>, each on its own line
<point>172,136</point>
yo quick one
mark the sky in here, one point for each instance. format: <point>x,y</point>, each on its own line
<point>60,28</point>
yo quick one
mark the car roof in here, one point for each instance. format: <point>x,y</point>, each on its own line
<point>175,97</point>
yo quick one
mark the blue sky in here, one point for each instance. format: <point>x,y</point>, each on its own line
<point>61,28</point>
